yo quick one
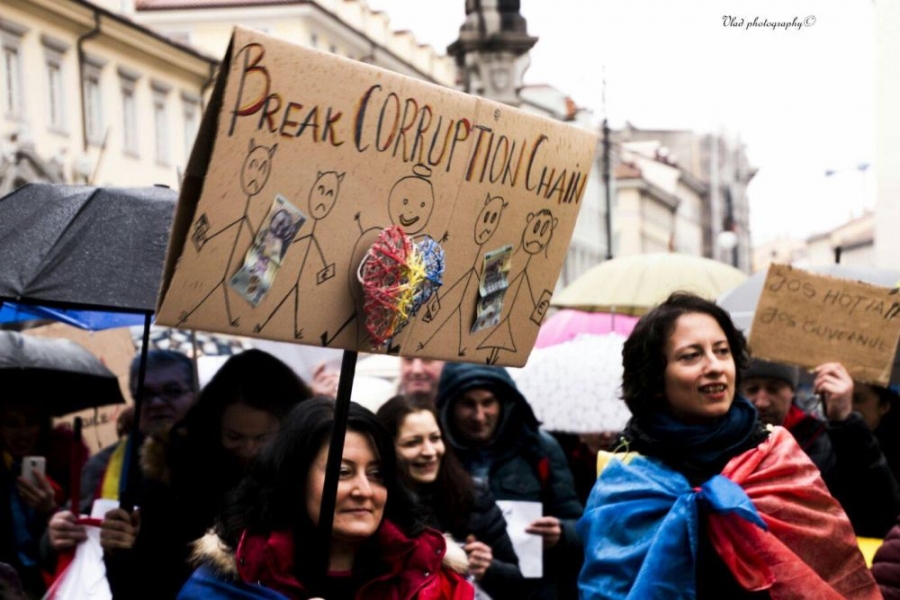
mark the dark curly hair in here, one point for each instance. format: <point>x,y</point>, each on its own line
<point>643,356</point>
<point>273,496</point>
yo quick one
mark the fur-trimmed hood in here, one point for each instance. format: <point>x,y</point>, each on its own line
<point>155,460</point>
<point>212,552</point>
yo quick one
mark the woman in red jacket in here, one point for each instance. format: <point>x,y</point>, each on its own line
<point>266,546</point>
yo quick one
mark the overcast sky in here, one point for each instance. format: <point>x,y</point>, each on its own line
<point>801,98</point>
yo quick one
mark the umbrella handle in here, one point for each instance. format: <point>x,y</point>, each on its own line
<point>75,466</point>
<point>131,469</point>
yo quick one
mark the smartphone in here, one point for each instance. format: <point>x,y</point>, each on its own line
<point>32,465</point>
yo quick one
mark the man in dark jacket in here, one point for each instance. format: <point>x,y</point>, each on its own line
<point>496,436</point>
<point>169,391</point>
<point>844,449</point>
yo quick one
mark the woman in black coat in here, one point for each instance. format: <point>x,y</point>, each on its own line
<point>452,500</point>
<point>187,476</point>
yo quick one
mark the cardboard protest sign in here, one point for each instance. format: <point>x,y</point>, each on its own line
<point>305,159</point>
<point>807,319</point>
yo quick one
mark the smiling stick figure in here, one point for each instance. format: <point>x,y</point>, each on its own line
<point>254,174</point>
<point>486,224</point>
<point>410,204</point>
<point>535,238</point>
<point>322,198</point>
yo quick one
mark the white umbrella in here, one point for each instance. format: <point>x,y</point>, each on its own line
<point>575,387</point>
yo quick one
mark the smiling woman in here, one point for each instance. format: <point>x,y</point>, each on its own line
<point>452,501</point>
<point>266,541</point>
<point>700,370</point>
<point>696,458</point>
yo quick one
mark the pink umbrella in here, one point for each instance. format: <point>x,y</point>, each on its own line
<point>568,323</point>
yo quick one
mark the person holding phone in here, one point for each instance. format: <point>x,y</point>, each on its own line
<point>34,472</point>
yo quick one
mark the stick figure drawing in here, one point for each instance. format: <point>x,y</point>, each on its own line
<point>322,198</point>
<point>535,238</point>
<point>486,224</point>
<point>410,204</point>
<point>255,173</point>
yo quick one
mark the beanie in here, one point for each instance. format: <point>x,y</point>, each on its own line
<point>773,370</point>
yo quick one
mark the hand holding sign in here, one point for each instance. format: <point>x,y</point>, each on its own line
<point>548,528</point>
<point>835,386</point>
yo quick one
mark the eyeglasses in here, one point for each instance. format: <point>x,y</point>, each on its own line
<point>168,394</point>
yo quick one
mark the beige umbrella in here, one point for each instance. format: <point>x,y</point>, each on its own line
<point>631,285</point>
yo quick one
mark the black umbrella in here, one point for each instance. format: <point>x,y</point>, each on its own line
<point>88,248</point>
<point>60,373</point>
<point>84,247</point>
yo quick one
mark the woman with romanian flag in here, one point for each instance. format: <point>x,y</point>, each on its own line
<point>700,499</point>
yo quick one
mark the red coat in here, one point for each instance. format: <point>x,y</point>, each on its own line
<point>416,565</point>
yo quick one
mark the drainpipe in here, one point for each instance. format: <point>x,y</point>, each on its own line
<point>80,45</point>
<point>207,84</point>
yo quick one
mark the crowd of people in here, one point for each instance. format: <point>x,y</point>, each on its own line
<point>729,481</point>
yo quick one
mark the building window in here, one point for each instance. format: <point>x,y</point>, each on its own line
<point>314,40</point>
<point>55,112</point>
<point>128,84</point>
<point>129,120</point>
<point>161,120</point>
<point>12,97</point>
<point>93,101</point>
<point>94,108</point>
<point>53,61</point>
<point>13,90</point>
<point>161,126</point>
<point>191,105</point>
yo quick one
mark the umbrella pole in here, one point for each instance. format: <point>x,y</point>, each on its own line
<point>75,465</point>
<point>130,471</point>
<point>194,354</point>
<point>335,454</point>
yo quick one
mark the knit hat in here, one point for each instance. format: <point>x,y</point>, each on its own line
<point>773,370</point>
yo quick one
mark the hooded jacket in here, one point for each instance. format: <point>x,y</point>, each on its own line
<point>523,463</point>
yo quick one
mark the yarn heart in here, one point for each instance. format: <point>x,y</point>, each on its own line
<point>398,276</point>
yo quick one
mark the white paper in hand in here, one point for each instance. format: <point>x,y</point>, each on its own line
<point>528,546</point>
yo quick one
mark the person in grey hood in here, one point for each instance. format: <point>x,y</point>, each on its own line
<point>497,438</point>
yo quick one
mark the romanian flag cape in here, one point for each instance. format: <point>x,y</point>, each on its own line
<point>770,518</point>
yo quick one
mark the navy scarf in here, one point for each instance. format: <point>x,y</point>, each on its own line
<point>698,451</point>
